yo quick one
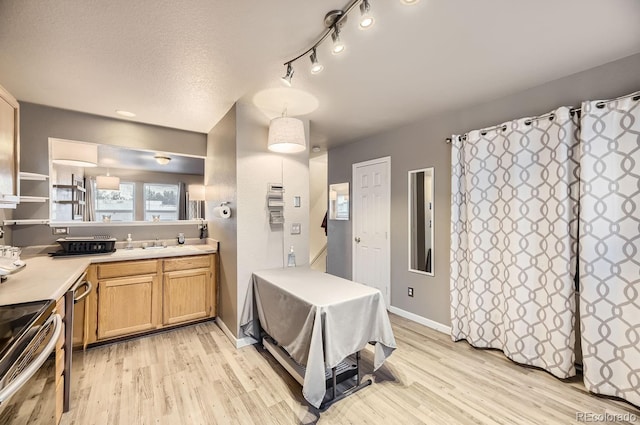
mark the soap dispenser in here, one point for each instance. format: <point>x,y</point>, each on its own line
<point>129,241</point>
<point>291,262</point>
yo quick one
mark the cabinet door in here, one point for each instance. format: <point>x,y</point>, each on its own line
<point>186,295</point>
<point>9,141</point>
<point>127,305</point>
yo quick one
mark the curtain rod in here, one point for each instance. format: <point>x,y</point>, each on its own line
<point>635,96</point>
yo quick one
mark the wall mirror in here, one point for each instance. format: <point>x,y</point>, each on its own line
<point>113,184</point>
<point>421,213</point>
<point>339,201</point>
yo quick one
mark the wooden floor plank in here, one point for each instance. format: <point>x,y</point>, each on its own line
<point>194,375</point>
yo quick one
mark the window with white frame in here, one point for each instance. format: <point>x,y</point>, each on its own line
<point>118,205</point>
<point>160,201</point>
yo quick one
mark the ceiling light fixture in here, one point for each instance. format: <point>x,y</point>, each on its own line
<point>107,182</point>
<point>125,113</point>
<point>316,67</point>
<point>366,19</point>
<point>162,159</point>
<point>74,154</point>
<point>288,76</point>
<point>333,22</point>
<point>338,45</point>
<point>286,135</point>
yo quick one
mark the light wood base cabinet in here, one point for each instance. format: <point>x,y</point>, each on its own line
<point>139,296</point>
<point>126,306</point>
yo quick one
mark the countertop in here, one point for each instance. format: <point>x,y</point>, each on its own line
<point>48,278</point>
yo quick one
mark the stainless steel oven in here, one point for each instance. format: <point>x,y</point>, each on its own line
<point>28,335</point>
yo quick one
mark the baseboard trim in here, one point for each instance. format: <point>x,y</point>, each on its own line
<point>238,343</point>
<point>422,320</point>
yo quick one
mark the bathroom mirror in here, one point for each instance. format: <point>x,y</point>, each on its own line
<point>421,213</point>
<point>339,201</point>
<point>110,184</point>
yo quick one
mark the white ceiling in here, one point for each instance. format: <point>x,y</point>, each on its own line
<point>184,64</point>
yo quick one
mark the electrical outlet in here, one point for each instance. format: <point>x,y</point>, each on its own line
<point>295,228</point>
<point>410,292</point>
<point>60,230</point>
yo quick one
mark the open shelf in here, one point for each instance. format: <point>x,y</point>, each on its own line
<point>33,199</point>
<point>33,176</point>
<point>26,221</point>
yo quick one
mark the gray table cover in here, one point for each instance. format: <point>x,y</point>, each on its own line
<point>319,319</point>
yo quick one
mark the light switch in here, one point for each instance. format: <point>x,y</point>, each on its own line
<point>296,201</point>
<point>295,228</point>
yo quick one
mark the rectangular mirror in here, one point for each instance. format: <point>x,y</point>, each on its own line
<point>113,184</point>
<point>339,201</point>
<point>421,213</point>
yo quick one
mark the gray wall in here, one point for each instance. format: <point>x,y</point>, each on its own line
<point>422,144</point>
<point>221,178</point>
<point>38,123</point>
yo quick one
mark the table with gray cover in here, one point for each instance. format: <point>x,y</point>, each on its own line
<point>319,319</point>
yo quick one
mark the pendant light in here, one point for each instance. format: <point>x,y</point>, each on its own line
<point>74,154</point>
<point>286,135</point>
<point>107,182</point>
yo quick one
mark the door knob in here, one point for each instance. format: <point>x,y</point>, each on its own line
<point>357,239</point>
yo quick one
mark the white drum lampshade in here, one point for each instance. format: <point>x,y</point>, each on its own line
<point>286,135</point>
<point>74,154</point>
<point>108,182</point>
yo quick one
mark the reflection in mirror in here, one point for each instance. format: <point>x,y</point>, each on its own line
<point>124,185</point>
<point>421,212</point>
<point>339,201</point>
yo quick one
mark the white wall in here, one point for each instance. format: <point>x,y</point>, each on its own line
<point>260,245</point>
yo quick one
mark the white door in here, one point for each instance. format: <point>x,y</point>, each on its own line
<point>371,212</point>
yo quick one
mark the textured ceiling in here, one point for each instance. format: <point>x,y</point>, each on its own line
<point>183,64</point>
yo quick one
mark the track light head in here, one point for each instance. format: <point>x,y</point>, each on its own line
<point>366,19</point>
<point>288,76</point>
<point>316,67</point>
<point>338,45</point>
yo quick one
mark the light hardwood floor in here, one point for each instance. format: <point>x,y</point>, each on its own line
<point>194,375</point>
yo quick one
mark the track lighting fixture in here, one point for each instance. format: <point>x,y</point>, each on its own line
<point>366,19</point>
<point>316,67</point>
<point>338,45</point>
<point>288,76</point>
<point>333,22</point>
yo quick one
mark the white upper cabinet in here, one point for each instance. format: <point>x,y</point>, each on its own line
<point>9,150</point>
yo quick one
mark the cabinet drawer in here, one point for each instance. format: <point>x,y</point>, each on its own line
<point>127,268</point>
<point>187,263</point>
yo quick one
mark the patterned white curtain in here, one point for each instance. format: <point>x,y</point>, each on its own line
<point>610,247</point>
<point>513,240</point>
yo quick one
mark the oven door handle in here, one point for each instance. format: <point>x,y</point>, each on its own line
<point>33,367</point>
<point>79,283</point>
<point>82,296</point>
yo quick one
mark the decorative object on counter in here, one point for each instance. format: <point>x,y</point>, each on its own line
<point>10,261</point>
<point>129,241</point>
<point>180,238</point>
<point>156,218</point>
<point>291,260</point>
<point>106,218</point>
<point>204,230</point>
